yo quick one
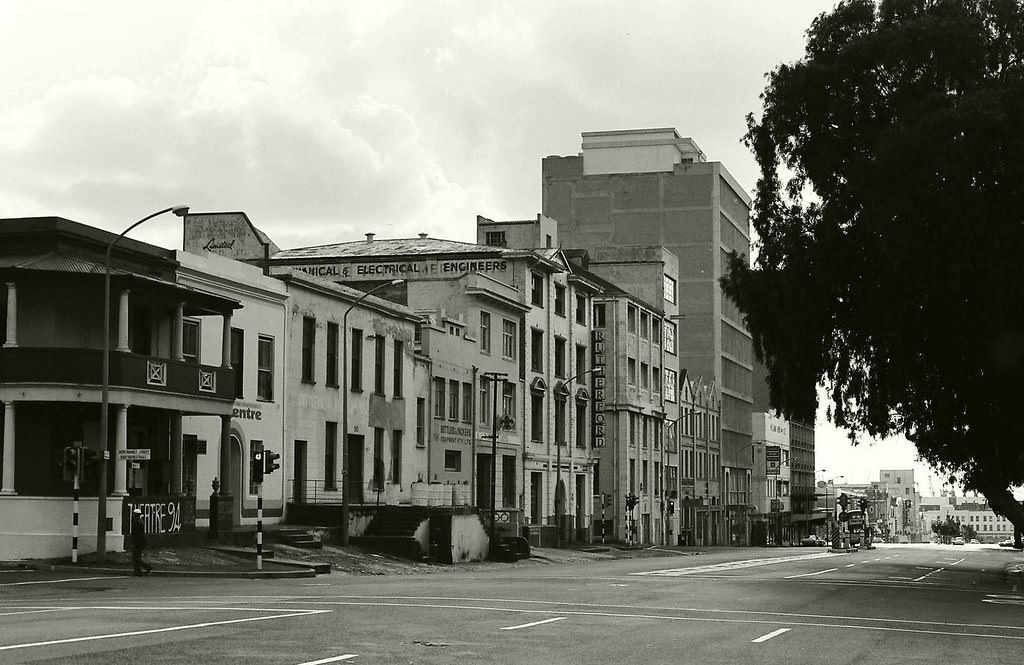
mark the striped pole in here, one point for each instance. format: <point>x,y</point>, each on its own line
<point>259,527</point>
<point>74,523</point>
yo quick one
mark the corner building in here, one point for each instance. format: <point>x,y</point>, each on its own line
<point>651,187</point>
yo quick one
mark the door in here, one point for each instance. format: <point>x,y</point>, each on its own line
<point>484,481</point>
<point>354,473</point>
<point>238,492</point>
<point>299,470</point>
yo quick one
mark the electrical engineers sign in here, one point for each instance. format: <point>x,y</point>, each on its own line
<point>598,351</point>
<point>378,270</point>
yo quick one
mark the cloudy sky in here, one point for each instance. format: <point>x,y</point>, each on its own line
<point>326,120</point>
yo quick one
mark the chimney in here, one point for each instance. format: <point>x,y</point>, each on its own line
<point>423,235</point>
<point>369,237</point>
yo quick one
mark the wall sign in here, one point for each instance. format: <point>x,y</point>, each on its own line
<point>162,515</point>
<point>598,362</point>
<point>377,270</point>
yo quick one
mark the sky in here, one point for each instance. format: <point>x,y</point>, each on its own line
<point>326,120</point>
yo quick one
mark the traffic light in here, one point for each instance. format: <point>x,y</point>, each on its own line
<point>270,464</point>
<point>70,463</point>
<point>844,501</point>
<point>256,465</point>
<point>863,504</point>
<point>671,507</point>
<point>90,457</point>
<point>631,501</point>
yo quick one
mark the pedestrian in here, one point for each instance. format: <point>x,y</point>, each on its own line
<point>139,544</point>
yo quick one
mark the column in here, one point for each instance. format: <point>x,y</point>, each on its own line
<point>225,345</point>
<point>122,323</point>
<point>176,448</point>
<point>12,316</point>
<point>225,456</point>
<point>120,443</point>
<point>177,348</point>
<point>7,482</point>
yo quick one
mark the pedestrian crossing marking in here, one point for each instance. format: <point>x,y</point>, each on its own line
<point>733,565</point>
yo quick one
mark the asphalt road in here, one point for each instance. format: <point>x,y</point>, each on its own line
<point>895,604</point>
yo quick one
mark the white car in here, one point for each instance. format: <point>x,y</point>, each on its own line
<point>958,541</point>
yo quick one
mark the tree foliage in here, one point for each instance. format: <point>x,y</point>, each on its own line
<point>890,231</point>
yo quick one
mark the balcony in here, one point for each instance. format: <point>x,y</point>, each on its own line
<point>127,371</point>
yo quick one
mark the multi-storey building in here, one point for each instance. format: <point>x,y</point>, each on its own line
<point>771,480</point>
<point>655,188</point>
<point>974,515</point>
<point>51,383</point>
<point>703,519</point>
<point>899,484</point>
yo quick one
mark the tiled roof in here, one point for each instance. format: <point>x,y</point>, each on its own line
<point>387,247</point>
<point>52,262</point>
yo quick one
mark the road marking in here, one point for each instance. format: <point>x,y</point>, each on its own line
<point>774,633</point>
<point>530,625</point>
<point>618,585</point>
<point>330,660</point>
<point>733,565</point>
<point>153,631</point>
<point>897,577</point>
<point>32,611</point>
<point>937,570</point>
<point>820,572</point>
<point>850,565</point>
<point>73,579</point>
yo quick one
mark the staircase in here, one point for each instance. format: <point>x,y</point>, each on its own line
<point>298,537</point>
<point>393,530</point>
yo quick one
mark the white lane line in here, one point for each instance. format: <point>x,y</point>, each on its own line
<point>960,561</point>
<point>31,611</point>
<point>330,660</point>
<point>152,631</point>
<point>774,633</point>
<point>73,579</point>
<point>850,565</point>
<point>820,572</point>
<point>937,570</point>
<point>529,625</point>
<point>733,565</point>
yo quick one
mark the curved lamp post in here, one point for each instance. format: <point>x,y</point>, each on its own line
<point>344,406</point>
<point>101,505</point>
<point>558,464</point>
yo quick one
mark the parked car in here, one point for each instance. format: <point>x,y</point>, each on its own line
<point>813,541</point>
<point>974,541</point>
<point>1006,543</point>
<point>958,541</point>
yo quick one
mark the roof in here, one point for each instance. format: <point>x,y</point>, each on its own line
<point>420,246</point>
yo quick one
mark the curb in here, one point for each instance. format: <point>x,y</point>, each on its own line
<point>171,572</point>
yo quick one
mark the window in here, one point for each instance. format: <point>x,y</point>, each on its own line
<point>645,378</point>
<point>670,384</point>
<point>631,312</point>
<point>356,379</point>
<point>308,348</point>
<point>599,321</point>
<point>453,460</point>
<point>537,289</point>
<point>495,239</point>
<point>560,357</point>
<point>330,456</point>
<point>265,369</point>
<point>438,398</point>
<point>396,457</point>
<point>399,368</point>
<point>670,289</point>
<point>656,330</point>
<point>508,399</point>
<point>485,402</point>
<point>332,354</point>
<point>467,402</point>
<point>421,422</point>
<point>581,309</point>
<point>536,417</point>
<point>656,379</point>
<point>670,337</point>
<point>453,399</point>
<point>645,325</point>
<point>190,340</point>
<point>559,419</point>
<point>485,332</point>
<point>508,339</point>
<point>559,300</point>
<point>581,424</point>
<point>537,350</point>
<point>631,371</point>
<point>238,359</point>
<point>378,364</point>
<point>378,459</point>
<point>581,364</point>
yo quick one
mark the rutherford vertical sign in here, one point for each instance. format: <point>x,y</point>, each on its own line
<point>597,346</point>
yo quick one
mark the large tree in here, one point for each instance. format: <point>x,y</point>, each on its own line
<point>889,215</point>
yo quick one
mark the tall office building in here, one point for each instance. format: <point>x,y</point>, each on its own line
<point>651,187</point>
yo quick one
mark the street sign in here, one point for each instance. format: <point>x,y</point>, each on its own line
<point>772,460</point>
<point>133,455</point>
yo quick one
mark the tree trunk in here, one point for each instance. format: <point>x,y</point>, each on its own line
<point>1005,504</point>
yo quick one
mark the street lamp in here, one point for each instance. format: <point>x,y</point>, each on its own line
<point>101,505</point>
<point>344,406</point>
<point>558,457</point>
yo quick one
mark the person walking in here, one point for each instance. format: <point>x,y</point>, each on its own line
<point>139,544</point>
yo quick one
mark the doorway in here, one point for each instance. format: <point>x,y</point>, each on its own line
<point>235,481</point>
<point>299,471</point>
<point>483,483</point>
<point>354,473</point>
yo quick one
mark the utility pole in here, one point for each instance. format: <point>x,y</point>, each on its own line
<point>494,378</point>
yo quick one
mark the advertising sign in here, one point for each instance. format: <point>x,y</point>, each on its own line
<point>378,270</point>
<point>773,460</point>
<point>598,362</point>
